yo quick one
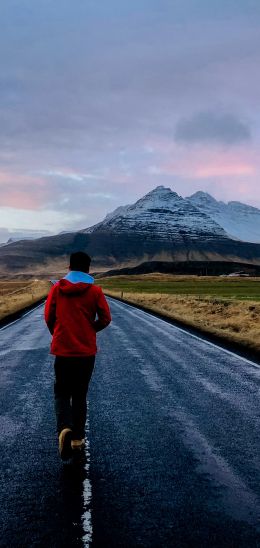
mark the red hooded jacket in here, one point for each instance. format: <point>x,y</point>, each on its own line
<point>70,313</point>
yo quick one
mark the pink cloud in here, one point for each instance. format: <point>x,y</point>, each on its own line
<point>224,170</point>
<point>203,162</point>
<point>18,200</point>
<point>22,191</point>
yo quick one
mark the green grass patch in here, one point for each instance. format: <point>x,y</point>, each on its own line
<point>230,288</point>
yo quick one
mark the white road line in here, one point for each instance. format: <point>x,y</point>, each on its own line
<point>87,496</point>
<point>133,307</point>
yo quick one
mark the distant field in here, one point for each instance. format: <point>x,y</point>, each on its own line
<point>231,288</point>
<point>227,307</point>
<point>10,287</point>
<point>16,295</point>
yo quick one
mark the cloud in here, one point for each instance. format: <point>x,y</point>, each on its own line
<point>50,220</point>
<point>54,200</point>
<point>104,75</point>
<point>89,90</point>
<point>78,177</point>
<point>212,127</point>
<point>223,169</point>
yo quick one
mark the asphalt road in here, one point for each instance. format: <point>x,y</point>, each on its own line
<point>173,442</point>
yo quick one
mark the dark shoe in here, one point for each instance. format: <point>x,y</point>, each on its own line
<point>65,438</point>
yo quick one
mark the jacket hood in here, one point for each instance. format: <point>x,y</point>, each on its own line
<point>75,282</point>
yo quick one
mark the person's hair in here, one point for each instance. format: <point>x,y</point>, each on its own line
<point>80,261</point>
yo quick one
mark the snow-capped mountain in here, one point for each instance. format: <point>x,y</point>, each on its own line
<point>240,221</point>
<point>12,240</point>
<point>121,210</point>
<point>164,226</point>
<point>16,236</point>
<point>162,214</point>
<point>160,226</point>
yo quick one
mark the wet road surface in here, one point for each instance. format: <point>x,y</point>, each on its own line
<point>173,442</point>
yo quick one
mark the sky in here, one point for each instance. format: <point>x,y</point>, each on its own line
<point>101,101</point>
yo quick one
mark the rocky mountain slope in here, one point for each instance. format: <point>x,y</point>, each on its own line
<point>161,213</point>
<point>238,220</point>
<point>161,226</point>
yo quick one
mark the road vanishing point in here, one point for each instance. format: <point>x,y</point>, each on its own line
<point>172,453</point>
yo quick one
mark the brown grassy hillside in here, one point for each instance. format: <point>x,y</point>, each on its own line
<point>14,296</point>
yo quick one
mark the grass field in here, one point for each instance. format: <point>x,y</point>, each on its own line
<point>231,288</point>
<point>226,307</point>
<point>16,295</point>
<point>10,287</point>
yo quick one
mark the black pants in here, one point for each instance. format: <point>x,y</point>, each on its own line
<point>72,376</point>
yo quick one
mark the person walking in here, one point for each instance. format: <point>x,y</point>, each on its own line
<point>75,310</point>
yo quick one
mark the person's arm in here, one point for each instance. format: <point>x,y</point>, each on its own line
<point>50,310</point>
<point>103,312</point>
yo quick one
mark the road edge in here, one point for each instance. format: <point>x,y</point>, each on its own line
<point>19,313</point>
<point>222,342</point>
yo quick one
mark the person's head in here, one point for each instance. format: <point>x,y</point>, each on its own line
<point>80,261</point>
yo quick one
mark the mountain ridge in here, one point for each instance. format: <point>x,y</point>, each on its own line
<point>160,226</point>
<point>240,221</point>
<point>164,208</point>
